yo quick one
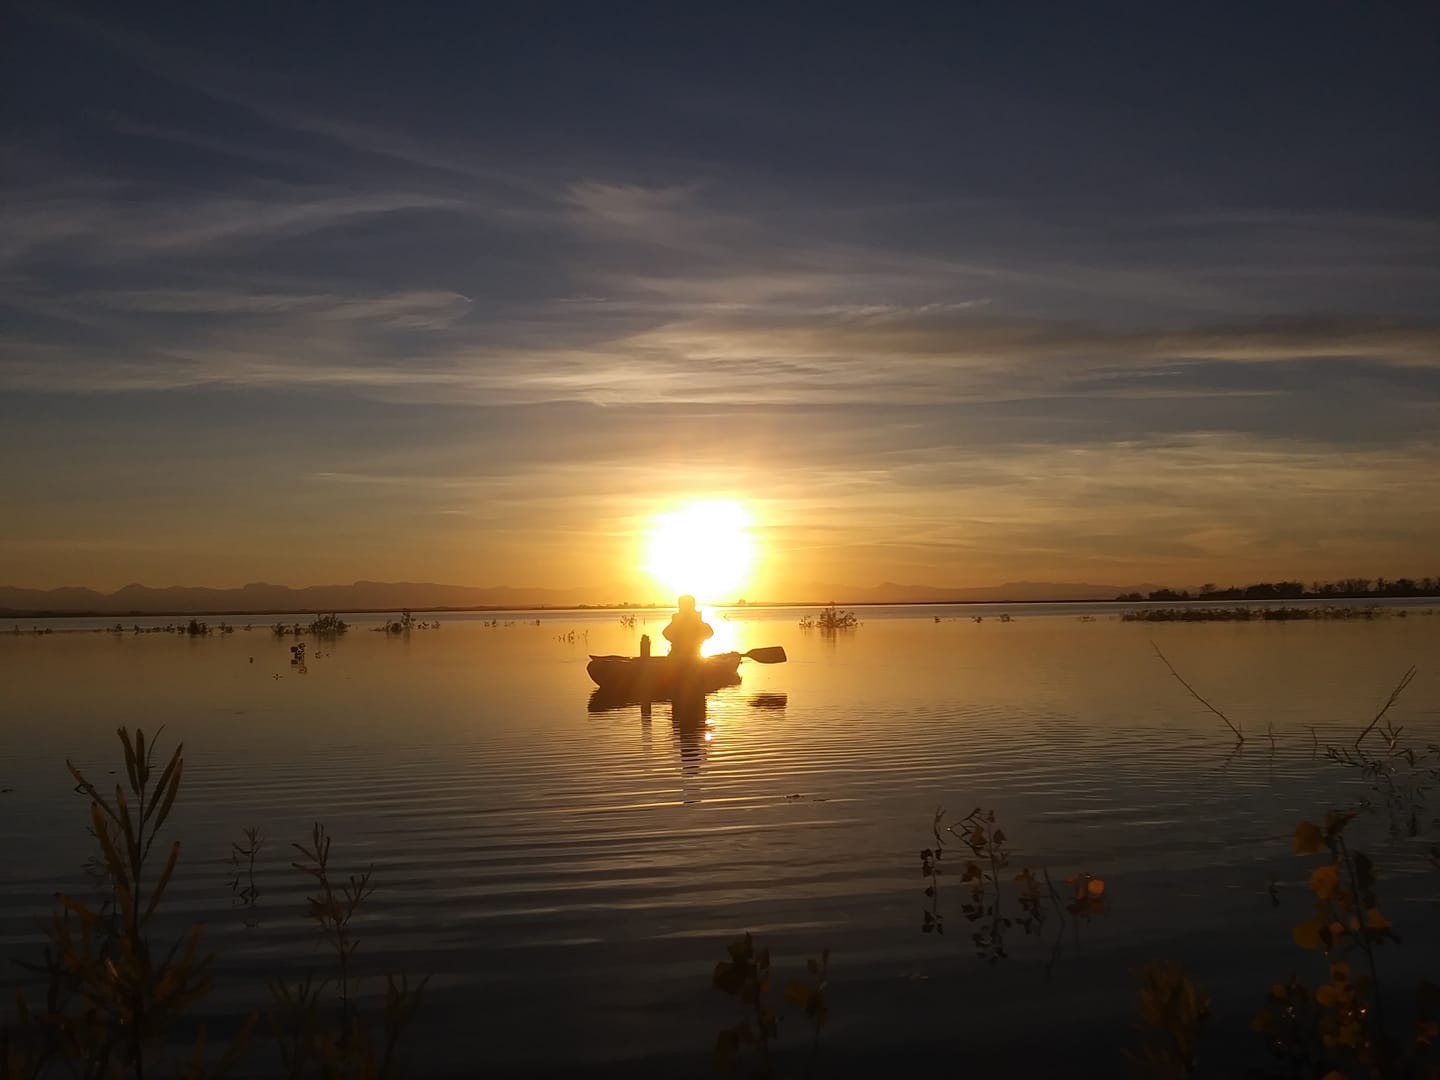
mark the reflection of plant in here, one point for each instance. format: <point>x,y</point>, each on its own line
<point>745,976</point>
<point>1173,1015</point>
<point>242,866</point>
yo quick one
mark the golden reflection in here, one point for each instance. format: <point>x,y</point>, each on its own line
<point>728,637</point>
<point>704,548</point>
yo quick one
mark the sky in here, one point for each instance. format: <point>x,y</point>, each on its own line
<point>952,294</point>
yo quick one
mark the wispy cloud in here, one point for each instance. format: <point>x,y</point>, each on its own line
<point>951,351</point>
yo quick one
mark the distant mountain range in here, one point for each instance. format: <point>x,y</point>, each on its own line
<point>420,596</point>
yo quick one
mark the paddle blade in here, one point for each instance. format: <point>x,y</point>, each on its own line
<point>770,654</point>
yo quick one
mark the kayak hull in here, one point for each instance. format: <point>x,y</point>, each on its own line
<point>656,678</point>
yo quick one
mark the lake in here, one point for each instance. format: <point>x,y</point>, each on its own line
<point>570,878</point>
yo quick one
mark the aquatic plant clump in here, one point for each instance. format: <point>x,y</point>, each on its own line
<point>406,623</point>
<point>830,620</point>
<point>320,626</point>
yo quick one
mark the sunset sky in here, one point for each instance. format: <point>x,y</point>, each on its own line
<point>475,293</point>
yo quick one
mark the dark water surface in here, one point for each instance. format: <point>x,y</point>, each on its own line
<point>570,878</point>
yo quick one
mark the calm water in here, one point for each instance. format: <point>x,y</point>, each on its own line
<point>570,877</point>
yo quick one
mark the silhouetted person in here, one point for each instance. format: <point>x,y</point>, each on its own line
<point>686,631</point>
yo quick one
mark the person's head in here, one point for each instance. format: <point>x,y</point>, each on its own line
<point>687,602</point>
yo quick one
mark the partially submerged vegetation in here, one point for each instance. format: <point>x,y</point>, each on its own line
<point>830,620</point>
<point>115,1005</point>
<point>1266,614</point>
<point>1345,588</point>
<point>322,626</point>
<point>405,624</point>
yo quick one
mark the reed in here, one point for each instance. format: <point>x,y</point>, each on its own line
<point>111,1000</point>
<point>116,1006</point>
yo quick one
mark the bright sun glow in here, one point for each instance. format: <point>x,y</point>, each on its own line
<point>705,549</point>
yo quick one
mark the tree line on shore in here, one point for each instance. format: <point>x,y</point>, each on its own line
<point>1298,590</point>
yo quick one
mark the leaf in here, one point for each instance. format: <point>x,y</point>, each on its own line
<point>1096,887</point>
<point>1375,921</point>
<point>1309,840</point>
<point>167,785</point>
<point>130,763</point>
<point>159,887</point>
<point>1336,820</point>
<point>1309,934</point>
<point>1327,995</point>
<point>798,994</point>
<point>1325,880</point>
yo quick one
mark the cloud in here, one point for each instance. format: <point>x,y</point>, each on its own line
<point>874,354</point>
<point>123,227</point>
<point>406,310</point>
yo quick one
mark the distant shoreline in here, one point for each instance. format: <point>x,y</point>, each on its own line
<point>513,609</point>
<point>757,605</point>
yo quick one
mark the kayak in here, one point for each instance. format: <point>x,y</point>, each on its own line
<point>660,677</point>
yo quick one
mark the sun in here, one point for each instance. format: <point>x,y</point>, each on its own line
<point>704,548</point>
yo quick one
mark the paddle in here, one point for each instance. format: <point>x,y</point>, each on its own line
<point>770,654</point>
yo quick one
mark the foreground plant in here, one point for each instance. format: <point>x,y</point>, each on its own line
<point>112,1002</point>
<point>312,1040</point>
<point>745,976</point>
<point>1038,901</point>
<point>116,1007</point>
<point>1342,1025</point>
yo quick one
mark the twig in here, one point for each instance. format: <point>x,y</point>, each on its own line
<point>1239,735</point>
<point>1405,681</point>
